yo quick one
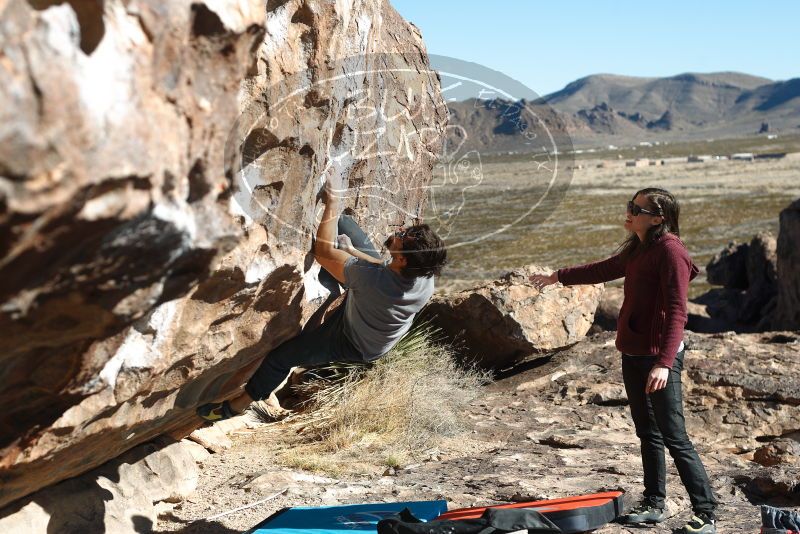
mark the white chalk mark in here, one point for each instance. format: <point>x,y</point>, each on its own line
<point>452,86</point>
<point>246,506</point>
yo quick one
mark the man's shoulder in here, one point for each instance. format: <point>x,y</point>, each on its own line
<point>363,269</point>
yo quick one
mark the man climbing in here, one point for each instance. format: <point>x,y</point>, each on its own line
<point>382,299</point>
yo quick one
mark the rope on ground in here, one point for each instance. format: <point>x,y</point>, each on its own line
<point>246,506</point>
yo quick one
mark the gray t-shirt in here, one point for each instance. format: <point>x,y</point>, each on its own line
<point>381,305</point>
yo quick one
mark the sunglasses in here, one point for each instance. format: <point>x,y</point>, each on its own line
<point>635,209</point>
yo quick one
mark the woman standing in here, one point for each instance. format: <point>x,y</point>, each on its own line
<point>657,270</point>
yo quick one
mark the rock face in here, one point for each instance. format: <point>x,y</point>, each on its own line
<point>787,314</point>
<point>502,321</point>
<point>154,247</point>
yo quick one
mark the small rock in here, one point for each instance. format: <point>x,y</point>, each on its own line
<point>198,452</point>
<point>212,438</point>
<point>780,451</point>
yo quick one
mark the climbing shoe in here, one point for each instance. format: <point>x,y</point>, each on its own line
<point>216,411</point>
<point>700,523</point>
<point>644,512</point>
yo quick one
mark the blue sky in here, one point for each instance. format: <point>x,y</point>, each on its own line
<point>546,45</point>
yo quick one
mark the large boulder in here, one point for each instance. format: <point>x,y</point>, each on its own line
<point>728,267</point>
<point>501,322</point>
<point>762,279</point>
<point>145,268</point>
<point>747,300</point>
<point>787,314</point>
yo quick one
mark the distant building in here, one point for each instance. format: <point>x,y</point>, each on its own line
<point>773,155</point>
<point>643,162</point>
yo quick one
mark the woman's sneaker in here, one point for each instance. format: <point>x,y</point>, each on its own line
<point>700,523</point>
<point>644,512</point>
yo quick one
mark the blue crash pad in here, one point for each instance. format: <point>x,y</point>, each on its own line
<point>342,519</point>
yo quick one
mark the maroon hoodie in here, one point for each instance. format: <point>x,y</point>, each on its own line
<point>653,312</point>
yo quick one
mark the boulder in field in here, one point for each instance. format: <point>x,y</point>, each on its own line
<point>762,278</point>
<point>500,322</point>
<point>728,267</point>
<point>747,300</point>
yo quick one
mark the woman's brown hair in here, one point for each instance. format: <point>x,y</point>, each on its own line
<point>663,203</point>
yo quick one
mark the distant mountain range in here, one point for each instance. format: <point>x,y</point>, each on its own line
<point>610,109</point>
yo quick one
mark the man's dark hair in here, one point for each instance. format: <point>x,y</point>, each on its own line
<point>425,252</point>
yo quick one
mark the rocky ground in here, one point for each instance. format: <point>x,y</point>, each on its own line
<point>553,427</point>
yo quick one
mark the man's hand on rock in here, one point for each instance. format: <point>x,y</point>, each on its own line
<point>334,184</point>
<point>540,281</point>
<point>343,242</point>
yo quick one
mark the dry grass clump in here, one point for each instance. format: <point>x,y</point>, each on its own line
<point>385,413</point>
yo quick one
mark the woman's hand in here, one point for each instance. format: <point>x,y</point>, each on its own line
<point>539,281</point>
<point>657,379</point>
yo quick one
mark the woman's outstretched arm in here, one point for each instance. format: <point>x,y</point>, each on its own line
<point>590,273</point>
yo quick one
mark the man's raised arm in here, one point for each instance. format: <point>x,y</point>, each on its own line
<point>330,258</point>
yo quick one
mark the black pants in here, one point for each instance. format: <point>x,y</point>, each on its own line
<point>658,418</point>
<point>314,346</point>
